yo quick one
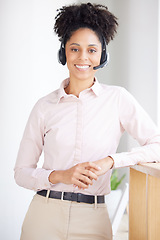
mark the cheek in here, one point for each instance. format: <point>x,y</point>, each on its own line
<point>97,59</point>
<point>69,57</point>
<point>70,61</point>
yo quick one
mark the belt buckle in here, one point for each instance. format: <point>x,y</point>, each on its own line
<point>79,197</point>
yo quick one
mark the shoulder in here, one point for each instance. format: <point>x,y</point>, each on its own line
<point>117,94</point>
<point>46,102</point>
<point>112,90</point>
<point>50,98</point>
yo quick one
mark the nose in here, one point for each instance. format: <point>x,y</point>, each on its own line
<point>83,55</point>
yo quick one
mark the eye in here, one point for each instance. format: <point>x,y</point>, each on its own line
<point>92,50</point>
<point>74,49</point>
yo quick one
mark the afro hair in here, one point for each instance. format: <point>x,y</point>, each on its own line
<point>93,16</point>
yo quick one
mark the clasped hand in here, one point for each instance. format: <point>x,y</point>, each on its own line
<point>82,174</point>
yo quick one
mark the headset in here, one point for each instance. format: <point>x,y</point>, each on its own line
<point>104,56</point>
<point>62,54</point>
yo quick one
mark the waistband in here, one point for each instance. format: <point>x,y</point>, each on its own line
<point>71,196</point>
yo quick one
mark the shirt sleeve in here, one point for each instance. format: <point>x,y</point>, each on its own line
<point>139,125</point>
<point>27,174</point>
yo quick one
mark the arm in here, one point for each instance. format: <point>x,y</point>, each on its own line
<point>26,172</point>
<point>139,125</point>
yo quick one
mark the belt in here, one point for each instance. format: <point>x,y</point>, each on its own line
<point>71,196</point>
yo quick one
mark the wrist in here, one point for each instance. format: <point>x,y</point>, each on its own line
<point>54,177</point>
<point>112,162</point>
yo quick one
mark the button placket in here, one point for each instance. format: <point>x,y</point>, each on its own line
<point>79,131</point>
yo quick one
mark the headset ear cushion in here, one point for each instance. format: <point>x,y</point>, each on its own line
<point>104,56</point>
<point>62,55</point>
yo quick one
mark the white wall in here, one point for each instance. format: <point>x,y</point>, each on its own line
<point>134,51</point>
<point>29,70</point>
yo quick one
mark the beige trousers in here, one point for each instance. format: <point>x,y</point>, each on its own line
<point>51,219</point>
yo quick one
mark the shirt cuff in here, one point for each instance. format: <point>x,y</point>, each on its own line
<point>122,160</point>
<point>42,176</point>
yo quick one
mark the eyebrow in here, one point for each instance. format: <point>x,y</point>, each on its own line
<point>74,44</point>
<point>90,45</point>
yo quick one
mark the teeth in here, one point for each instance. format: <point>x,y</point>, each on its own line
<point>82,66</point>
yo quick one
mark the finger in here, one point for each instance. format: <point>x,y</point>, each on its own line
<point>76,186</point>
<point>91,165</point>
<point>81,184</point>
<point>85,179</point>
<point>90,174</point>
<point>93,170</point>
<point>84,175</point>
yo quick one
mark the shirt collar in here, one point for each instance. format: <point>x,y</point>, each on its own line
<point>96,88</point>
<point>62,93</point>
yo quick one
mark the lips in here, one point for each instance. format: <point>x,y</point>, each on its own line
<point>82,67</point>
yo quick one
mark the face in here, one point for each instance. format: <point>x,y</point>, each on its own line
<point>83,52</point>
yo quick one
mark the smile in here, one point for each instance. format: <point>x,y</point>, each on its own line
<point>82,67</point>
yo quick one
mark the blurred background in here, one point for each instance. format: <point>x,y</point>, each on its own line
<point>29,70</point>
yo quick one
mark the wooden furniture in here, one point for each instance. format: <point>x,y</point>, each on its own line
<point>144,202</point>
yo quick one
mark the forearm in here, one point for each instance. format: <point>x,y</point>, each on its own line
<point>33,179</point>
<point>147,153</point>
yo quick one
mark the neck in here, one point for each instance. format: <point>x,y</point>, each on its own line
<point>77,86</point>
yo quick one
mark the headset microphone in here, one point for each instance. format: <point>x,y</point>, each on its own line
<point>104,63</point>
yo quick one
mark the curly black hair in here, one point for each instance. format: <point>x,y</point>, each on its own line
<point>94,16</point>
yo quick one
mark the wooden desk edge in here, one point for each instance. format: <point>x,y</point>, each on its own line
<point>152,169</point>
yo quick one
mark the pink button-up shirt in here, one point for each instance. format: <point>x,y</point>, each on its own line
<point>73,130</point>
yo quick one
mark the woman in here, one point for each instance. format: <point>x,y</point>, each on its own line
<point>79,127</point>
